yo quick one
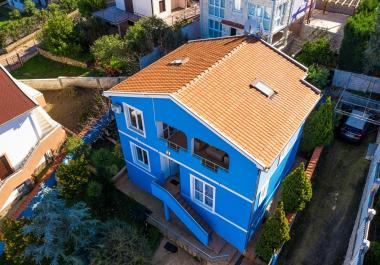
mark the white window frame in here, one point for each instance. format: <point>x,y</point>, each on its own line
<point>202,203</point>
<point>281,11</point>
<point>237,5</point>
<point>263,192</point>
<point>129,122</point>
<point>261,18</point>
<point>135,158</point>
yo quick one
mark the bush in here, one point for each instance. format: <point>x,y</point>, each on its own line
<point>372,54</point>
<point>73,178</point>
<point>317,51</point>
<point>274,234</point>
<point>111,54</point>
<point>121,243</point>
<point>319,128</point>
<point>94,190</point>
<point>15,241</point>
<point>107,162</point>
<point>356,36</point>
<point>372,257</point>
<point>296,190</point>
<point>73,144</point>
<point>318,76</point>
<point>87,7</point>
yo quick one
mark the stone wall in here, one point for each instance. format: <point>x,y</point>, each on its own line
<point>61,59</point>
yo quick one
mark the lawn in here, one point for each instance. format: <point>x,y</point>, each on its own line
<point>41,67</point>
<point>4,16</point>
<point>322,232</point>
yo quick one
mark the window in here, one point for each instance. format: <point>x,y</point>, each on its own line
<point>5,168</point>
<point>216,8</point>
<point>135,119</point>
<point>280,14</point>
<point>260,14</point>
<point>237,5</point>
<point>140,156</point>
<point>233,32</point>
<point>263,193</point>
<point>203,193</point>
<point>214,29</point>
<point>162,6</point>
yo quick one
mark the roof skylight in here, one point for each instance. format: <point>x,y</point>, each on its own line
<point>263,88</point>
<point>180,61</point>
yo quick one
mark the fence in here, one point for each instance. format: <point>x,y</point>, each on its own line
<point>358,82</point>
<point>14,62</point>
<point>359,243</point>
<point>64,82</point>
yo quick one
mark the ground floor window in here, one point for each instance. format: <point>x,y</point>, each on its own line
<point>203,193</point>
<point>214,29</point>
<point>140,156</point>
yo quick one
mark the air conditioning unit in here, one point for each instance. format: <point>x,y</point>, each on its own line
<point>116,108</point>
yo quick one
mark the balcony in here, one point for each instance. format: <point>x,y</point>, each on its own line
<point>180,13</point>
<point>175,138</point>
<point>212,157</point>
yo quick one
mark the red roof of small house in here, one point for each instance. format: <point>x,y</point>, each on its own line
<point>13,102</point>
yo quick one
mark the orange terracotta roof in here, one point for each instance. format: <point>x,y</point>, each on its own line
<point>13,102</point>
<point>259,126</point>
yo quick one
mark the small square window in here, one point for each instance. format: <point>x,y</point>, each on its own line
<point>140,156</point>
<point>135,119</point>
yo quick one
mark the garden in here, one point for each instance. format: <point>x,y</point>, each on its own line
<point>89,221</point>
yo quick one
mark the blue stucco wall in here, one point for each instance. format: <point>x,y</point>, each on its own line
<point>235,202</point>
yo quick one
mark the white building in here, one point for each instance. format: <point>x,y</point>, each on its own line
<point>28,136</point>
<point>234,17</point>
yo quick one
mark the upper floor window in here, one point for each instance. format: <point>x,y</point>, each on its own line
<point>162,6</point>
<point>237,5</point>
<point>135,119</point>
<point>140,156</point>
<point>281,14</point>
<point>214,29</point>
<point>216,8</point>
<point>260,14</point>
<point>203,193</point>
<point>175,138</point>
<point>211,156</point>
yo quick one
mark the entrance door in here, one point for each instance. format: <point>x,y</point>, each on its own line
<point>129,5</point>
<point>233,32</point>
<point>169,167</point>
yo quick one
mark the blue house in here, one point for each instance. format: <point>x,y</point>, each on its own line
<point>211,130</point>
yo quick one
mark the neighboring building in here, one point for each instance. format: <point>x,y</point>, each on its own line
<point>127,12</point>
<point>233,17</point>
<point>19,4</point>
<point>211,129</point>
<point>28,137</point>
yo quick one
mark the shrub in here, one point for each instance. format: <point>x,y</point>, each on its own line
<point>296,190</point>
<point>94,190</point>
<point>372,257</point>
<point>87,7</point>
<point>73,178</point>
<point>15,241</point>
<point>319,128</point>
<point>274,234</point>
<point>318,76</point>
<point>372,54</point>
<point>356,36</point>
<point>106,162</point>
<point>317,51</point>
<point>73,144</point>
<point>121,244</point>
<point>111,54</point>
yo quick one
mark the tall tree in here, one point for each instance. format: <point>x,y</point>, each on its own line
<point>274,234</point>
<point>296,190</point>
<point>63,234</point>
<point>372,54</point>
<point>319,128</point>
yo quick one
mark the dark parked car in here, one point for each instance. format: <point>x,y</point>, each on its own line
<point>354,128</point>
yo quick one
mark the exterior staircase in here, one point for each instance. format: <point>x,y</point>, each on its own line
<point>45,126</point>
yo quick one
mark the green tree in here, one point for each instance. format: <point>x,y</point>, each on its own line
<point>317,51</point>
<point>372,257</point>
<point>372,54</point>
<point>356,36</point>
<point>121,244</point>
<point>30,8</point>
<point>58,35</point>
<point>73,143</point>
<point>15,241</point>
<point>111,54</point>
<point>94,190</point>
<point>87,7</point>
<point>296,190</point>
<point>63,234</point>
<point>73,178</point>
<point>319,128</point>
<point>318,76</point>
<point>274,234</point>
